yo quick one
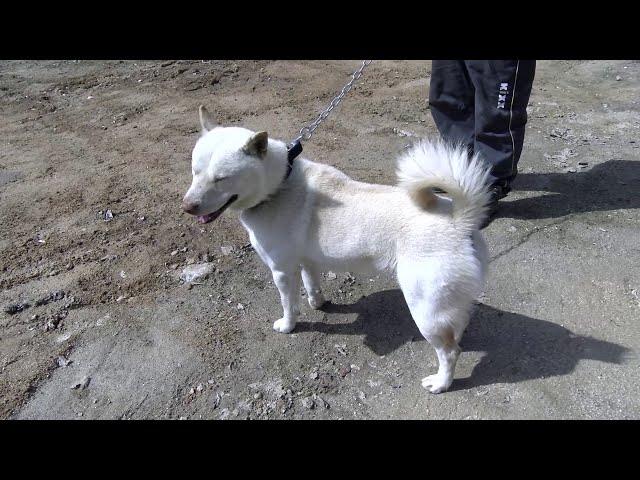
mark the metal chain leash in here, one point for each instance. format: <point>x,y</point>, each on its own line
<point>307,132</point>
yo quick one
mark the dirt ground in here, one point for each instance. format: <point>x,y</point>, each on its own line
<point>97,324</point>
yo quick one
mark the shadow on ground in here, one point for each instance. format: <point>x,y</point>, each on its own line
<point>517,347</point>
<point>611,185</point>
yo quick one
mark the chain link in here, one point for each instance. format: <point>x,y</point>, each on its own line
<point>307,132</point>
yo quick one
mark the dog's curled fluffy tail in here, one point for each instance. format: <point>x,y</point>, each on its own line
<point>428,165</point>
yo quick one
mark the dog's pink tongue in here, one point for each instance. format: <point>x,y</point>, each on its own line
<point>205,218</point>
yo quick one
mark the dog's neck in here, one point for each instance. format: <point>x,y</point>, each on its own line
<point>276,169</point>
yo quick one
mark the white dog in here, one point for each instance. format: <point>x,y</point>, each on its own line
<point>317,218</point>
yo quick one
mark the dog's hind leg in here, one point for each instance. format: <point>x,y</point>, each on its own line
<point>448,351</point>
<point>440,313</point>
<point>311,280</point>
<point>288,284</point>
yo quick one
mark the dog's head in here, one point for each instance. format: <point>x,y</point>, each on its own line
<point>228,170</point>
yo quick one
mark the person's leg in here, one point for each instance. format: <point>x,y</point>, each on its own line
<point>502,90</point>
<point>451,101</point>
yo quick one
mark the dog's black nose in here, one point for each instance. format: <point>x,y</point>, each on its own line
<point>190,207</point>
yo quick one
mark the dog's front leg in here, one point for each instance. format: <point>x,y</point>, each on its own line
<point>288,284</point>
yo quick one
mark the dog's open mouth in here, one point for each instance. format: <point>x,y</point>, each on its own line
<point>210,217</point>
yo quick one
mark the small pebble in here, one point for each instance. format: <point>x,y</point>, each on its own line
<point>62,362</point>
<point>82,384</point>
<point>15,308</point>
<point>342,349</point>
<point>320,401</point>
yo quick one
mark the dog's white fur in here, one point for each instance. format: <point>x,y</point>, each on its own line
<point>319,219</point>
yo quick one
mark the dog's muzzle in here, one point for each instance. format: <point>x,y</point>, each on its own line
<point>209,217</point>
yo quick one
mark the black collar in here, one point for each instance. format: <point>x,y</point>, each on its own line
<point>293,150</point>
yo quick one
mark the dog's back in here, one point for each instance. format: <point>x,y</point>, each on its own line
<point>356,226</point>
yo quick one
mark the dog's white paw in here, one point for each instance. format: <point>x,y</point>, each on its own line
<point>436,383</point>
<point>283,325</point>
<point>316,301</point>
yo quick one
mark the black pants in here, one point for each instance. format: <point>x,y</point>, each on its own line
<point>483,105</point>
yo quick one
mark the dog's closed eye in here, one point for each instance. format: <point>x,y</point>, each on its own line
<point>217,179</point>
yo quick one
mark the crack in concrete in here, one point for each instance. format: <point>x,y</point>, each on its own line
<point>131,411</point>
<point>528,235</point>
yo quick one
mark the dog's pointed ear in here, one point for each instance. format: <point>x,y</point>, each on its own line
<point>206,121</point>
<point>257,144</point>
